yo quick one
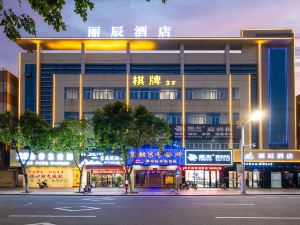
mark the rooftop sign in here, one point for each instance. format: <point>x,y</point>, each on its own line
<point>138,32</point>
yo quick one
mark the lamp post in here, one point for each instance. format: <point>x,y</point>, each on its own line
<point>254,117</point>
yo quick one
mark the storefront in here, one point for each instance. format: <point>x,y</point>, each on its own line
<point>56,169</point>
<point>157,168</point>
<point>205,167</point>
<point>203,176</point>
<point>267,169</point>
<point>104,170</point>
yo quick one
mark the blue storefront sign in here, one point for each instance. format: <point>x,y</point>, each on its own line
<point>208,157</point>
<point>150,156</point>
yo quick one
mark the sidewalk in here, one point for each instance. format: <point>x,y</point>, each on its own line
<point>147,192</point>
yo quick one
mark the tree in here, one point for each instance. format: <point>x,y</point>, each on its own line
<point>49,10</point>
<point>30,132</point>
<point>77,137</point>
<point>121,128</point>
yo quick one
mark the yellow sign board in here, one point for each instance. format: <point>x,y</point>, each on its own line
<point>169,180</point>
<point>152,80</point>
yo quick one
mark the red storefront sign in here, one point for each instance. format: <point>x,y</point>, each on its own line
<point>107,170</point>
<point>202,168</point>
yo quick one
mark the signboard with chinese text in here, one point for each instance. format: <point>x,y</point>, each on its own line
<point>152,80</point>
<point>208,157</point>
<point>205,131</point>
<point>102,158</point>
<point>42,158</point>
<point>166,157</point>
<point>54,176</point>
<point>268,156</point>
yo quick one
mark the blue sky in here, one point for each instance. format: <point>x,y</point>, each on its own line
<point>188,18</point>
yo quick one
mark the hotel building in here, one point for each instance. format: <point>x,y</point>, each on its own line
<point>201,86</point>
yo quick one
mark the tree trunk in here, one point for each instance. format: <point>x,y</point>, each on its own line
<point>25,179</point>
<point>80,179</point>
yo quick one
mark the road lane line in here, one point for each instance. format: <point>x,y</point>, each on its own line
<point>27,204</point>
<point>259,218</point>
<point>224,204</point>
<point>85,203</point>
<point>50,216</point>
<point>294,197</point>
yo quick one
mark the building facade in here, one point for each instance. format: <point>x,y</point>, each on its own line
<point>8,103</point>
<point>201,86</point>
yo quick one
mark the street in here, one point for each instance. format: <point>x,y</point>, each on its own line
<point>156,210</point>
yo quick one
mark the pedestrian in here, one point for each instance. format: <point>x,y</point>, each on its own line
<point>126,186</point>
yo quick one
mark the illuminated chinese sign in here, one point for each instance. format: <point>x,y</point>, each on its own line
<point>269,156</point>
<point>208,157</point>
<point>102,158</point>
<point>147,157</point>
<point>138,31</point>
<point>205,131</point>
<point>152,80</point>
<point>43,159</point>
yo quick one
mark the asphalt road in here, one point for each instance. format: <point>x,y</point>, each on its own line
<point>156,210</point>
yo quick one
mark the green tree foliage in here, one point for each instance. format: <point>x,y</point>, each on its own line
<point>77,137</point>
<point>49,10</point>
<point>31,132</point>
<point>120,128</point>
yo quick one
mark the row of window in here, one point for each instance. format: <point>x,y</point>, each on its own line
<point>209,145</point>
<point>152,93</point>
<point>175,118</point>
<point>148,69</point>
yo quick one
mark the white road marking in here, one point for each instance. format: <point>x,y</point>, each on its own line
<point>45,223</point>
<point>51,216</point>
<point>271,197</point>
<point>27,204</point>
<point>97,199</point>
<point>233,204</point>
<point>294,197</point>
<point>78,209</point>
<point>259,218</point>
<point>86,203</point>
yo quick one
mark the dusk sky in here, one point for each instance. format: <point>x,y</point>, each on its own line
<point>188,18</point>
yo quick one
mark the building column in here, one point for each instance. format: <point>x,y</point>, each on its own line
<point>38,77</point>
<point>259,77</point>
<point>81,76</point>
<point>228,74</point>
<point>53,100</point>
<point>19,84</point>
<point>183,119</point>
<point>128,74</point>
<point>249,110</point>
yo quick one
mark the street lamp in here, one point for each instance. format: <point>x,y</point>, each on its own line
<point>254,117</point>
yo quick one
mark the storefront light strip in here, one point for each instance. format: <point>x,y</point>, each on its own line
<point>249,109</point>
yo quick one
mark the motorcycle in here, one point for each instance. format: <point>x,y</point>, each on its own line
<point>42,184</point>
<point>192,185</point>
<point>87,189</point>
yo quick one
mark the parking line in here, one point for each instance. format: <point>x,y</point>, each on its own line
<point>51,216</point>
<point>259,218</point>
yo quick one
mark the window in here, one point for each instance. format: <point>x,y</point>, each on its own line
<point>144,93</point>
<point>169,94</point>
<point>71,115</point>
<point>119,93</point>
<point>207,93</point>
<point>71,93</point>
<point>235,93</point>
<point>87,93</point>
<point>171,118</point>
<point>103,94</point>
<point>88,115</point>
<point>196,119</point>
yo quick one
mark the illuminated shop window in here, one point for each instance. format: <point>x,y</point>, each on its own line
<point>168,94</point>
